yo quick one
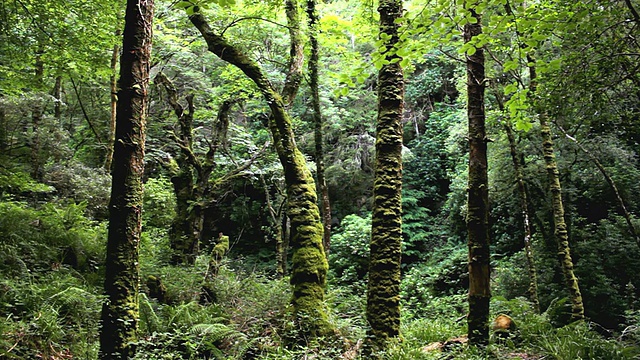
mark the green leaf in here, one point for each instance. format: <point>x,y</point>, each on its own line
<point>472,50</point>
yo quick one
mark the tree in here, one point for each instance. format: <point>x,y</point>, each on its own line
<point>318,122</point>
<point>478,188</point>
<point>309,264</point>
<point>383,291</point>
<point>120,312</point>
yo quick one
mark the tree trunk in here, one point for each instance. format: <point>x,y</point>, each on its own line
<point>36,118</point>
<point>560,226</point>
<point>478,194</point>
<point>383,289</point>
<point>524,198</point>
<point>526,214</point>
<point>317,122</point>
<point>57,95</point>
<point>309,267</point>
<point>114,103</point>
<point>120,312</point>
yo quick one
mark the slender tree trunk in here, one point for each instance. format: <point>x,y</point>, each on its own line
<point>309,268</point>
<point>120,311</point>
<point>526,214</point>
<point>114,103</point>
<point>276,223</point>
<point>478,193</point>
<point>57,95</point>
<point>560,226</point>
<point>36,119</point>
<point>383,289</point>
<point>524,198</point>
<point>317,122</point>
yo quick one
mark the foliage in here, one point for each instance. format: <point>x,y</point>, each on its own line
<point>349,256</point>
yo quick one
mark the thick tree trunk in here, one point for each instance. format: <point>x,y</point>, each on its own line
<point>383,290</point>
<point>524,198</point>
<point>560,226</point>
<point>120,312</point>
<point>309,265</point>
<point>113,104</point>
<point>317,122</point>
<point>478,193</point>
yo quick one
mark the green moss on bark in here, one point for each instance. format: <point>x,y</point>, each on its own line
<point>383,288</point>
<point>560,226</point>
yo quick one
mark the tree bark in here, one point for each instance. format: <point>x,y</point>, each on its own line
<point>478,196</point>
<point>309,264</point>
<point>560,226</point>
<point>383,289</point>
<point>317,122</point>
<point>120,311</point>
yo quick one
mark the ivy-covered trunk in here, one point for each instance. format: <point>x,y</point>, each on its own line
<point>120,311</point>
<point>478,194</point>
<point>383,289</point>
<point>559,224</point>
<point>309,265</point>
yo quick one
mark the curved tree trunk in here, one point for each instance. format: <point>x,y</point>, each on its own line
<point>309,264</point>
<point>317,122</point>
<point>560,226</point>
<point>478,198</point>
<point>383,286</point>
<point>120,312</point>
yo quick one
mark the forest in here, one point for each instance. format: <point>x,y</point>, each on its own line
<point>335,179</point>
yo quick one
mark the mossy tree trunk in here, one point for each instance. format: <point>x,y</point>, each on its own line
<point>559,224</point>
<point>383,289</point>
<point>317,123</point>
<point>478,194</point>
<point>309,264</point>
<point>120,311</point>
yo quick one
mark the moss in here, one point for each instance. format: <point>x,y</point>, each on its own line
<point>560,226</point>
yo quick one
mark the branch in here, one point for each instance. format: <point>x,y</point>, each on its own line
<point>172,94</point>
<point>636,17</point>
<point>84,111</point>
<point>609,180</point>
